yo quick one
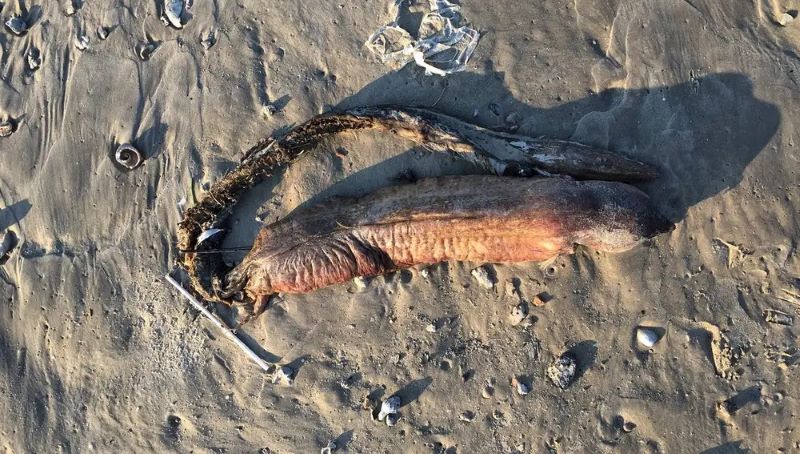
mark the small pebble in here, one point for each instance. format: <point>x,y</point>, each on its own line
<point>431,328</point>
<point>481,275</point>
<point>562,371</point>
<point>488,390</point>
<point>467,416</point>
<point>518,313</point>
<point>647,337</point>
<point>522,388</point>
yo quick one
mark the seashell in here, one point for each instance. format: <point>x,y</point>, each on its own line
<point>283,374</point>
<point>82,42</point>
<point>519,313</point>
<point>467,416</point>
<point>173,9</point>
<point>209,41</point>
<point>7,245</point>
<point>207,234</point>
<point>647,337</point>
<point>481,274</point>
<point>562,371</point>
<point>146,50</point>
<point>7,127</point>
<point>17,25</point>
<point>128,156</point>
<point>329,449</point>
<point>389,406</point>
<point>34,58</point>
<point>522,388</point>
<point>392,419</point>
<point>488,390</point>
<point>102,32</point>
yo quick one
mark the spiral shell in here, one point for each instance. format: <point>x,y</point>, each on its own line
<point>128,156</point>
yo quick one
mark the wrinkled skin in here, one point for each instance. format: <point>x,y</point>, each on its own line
<point>475,218</point>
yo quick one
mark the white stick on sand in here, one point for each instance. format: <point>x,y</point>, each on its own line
<point>221,325</point>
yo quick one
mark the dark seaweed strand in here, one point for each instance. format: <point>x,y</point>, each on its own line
<point>268,155</point>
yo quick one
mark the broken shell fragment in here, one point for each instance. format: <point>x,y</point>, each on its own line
<point>34,58</point>
<point>482,276</point>
<point>128,156</point>
<point>17,25</point>
<point>82,42</point>
<point>7,127</point>
<point>173,9</point>
<point>102,32</point>
<point>562,371</point>
<point>209,41</point>
<point>389,406</point>
<point>283,374</point>
<point>522,388</point>
<point>7,245</point>
<point>648,337</point>
<point>392,419</point>
<point>519,313</point>
<point>146,50</point>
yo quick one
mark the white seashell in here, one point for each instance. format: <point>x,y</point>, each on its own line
<point>283,375</point>
<point>17,25</point>
<point>128,156</point>
<point>523,389</point>
<point>389,406</point>
<point>102,32</point>
<point>173,9</point>
<point>209,41</point>
<point>562,371</point>
<point>207,234</point>
<point>146,50</point>
<point>647,337</point>
<point>519,313</point>
<point>329,449</point>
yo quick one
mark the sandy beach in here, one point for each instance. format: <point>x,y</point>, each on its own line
<point>98,353</point>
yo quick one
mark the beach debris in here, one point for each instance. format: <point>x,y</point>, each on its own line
<point>146,50</point>
<point>522,388</point>
<point>103,32</point>
<point>128,156</point>
<point>207,234</point>
<point>271,369</point>
<point>541,299</point>
<point>392,419</point>
<point>173,10</point>
<point>389,406</point>
<point>518,314</point>
<point>7,245</point>
<point>648,336</point>
<point>17,25</point>
<point>482,276</point>
<point>329,448</point>
<point>72,7</point>
<point>562,371</point>
<point>34,58</point>
<point>82,42</point>
<point>444,44</point>
<point>467,416</point>
<point>778,317</point>
<point>488,389</point>
<point>209,41</point>
<point>283,374</point>
<point>787,18</point>
<point>7,127</point>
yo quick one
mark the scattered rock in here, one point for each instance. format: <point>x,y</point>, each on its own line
<point>467,416</point>
<point>562,371</point>
<point>778,317</point>
<point>541,299</point>
<point>482,276</point>
<point>431,328</point>
<point>17,25</point>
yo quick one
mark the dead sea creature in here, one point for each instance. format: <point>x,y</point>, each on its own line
<point>474,218</point>
<point>7,127</point>
<point>17,25</point>
<point>128,156</point>
<point>492,151</point>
